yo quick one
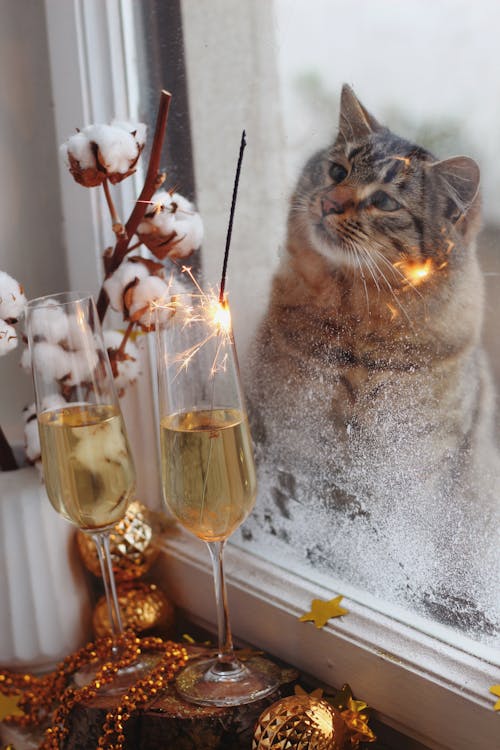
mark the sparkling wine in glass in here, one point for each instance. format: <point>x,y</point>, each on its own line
<point>208,473</point>
<point>87,464</point>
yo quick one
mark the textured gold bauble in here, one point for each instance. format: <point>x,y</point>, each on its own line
<point>300,722</point>
<point>143,607</point>
<point>131,545</point>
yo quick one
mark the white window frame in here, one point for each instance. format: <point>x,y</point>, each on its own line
<point>432,691</point>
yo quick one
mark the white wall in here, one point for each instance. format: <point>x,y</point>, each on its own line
<point>30,215</point>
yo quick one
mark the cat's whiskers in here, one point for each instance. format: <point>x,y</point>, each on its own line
<point>380,257</point>
<point>359,252</point>
<point>357,239</point>
<point>353,252</point>
<point>372,268</point>
<point>377,255</point>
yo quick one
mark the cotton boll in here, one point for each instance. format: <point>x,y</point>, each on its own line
<point>53,362</point>
<point>80,155</point>
<point>172,227</point>
<point>82,365</point>
<point>78,146</point>
<point>148,291</point>
<point>29,413</point>
<point>12,299</point>
<point>162,313</point>
<point>160,216</point>
<point>127,370</point>
<point>8,338</point>
<point>113,339</point>
<point>117,147</point>
<point>163,308</point>
<point>101,444</point>
<point>124,275</point>
<point>25,360</point>
<point>184,206</point>
<point>49,322</point>
<point>53,401</point>
<point>100,152</point>
<point>138,130</point>
<point>188,228</point>
<point>189,236</point>
<point>78,331</point>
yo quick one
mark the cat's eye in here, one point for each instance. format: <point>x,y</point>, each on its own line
<point>337,172</point>
<point>384,202</point>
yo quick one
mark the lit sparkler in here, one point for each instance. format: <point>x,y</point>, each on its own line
<point>415,272</point>
<point>212,309</point>
<point>207,309</point>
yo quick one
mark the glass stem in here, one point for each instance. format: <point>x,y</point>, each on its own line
<point>226,660</point>
<point>101,539</point>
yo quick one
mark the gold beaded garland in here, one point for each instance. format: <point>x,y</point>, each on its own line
<point>52,697</point>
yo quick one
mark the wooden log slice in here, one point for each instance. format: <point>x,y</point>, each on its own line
<point>168,722</point>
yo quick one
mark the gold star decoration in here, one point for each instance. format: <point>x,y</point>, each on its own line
<point>322,611</point>
<point>355,715</point>
<point>495,689</point>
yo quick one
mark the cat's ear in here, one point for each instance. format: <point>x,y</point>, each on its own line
<point>461,176</point>
<point>355,121</point>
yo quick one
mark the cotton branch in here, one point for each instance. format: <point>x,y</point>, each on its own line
<point>151,183</point>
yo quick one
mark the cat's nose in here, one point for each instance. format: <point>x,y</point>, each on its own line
<point>329,206</point>
<point>338,200</point>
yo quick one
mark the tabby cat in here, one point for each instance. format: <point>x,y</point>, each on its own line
<point>370,395</point>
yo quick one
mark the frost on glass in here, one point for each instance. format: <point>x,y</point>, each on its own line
<point>372,378</point>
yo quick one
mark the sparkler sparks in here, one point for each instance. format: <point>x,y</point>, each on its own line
<point>393,311</point>
<point>414,272</point>
<point>211,315</point>
<point>222,316</point>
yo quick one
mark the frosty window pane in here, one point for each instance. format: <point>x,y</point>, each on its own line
<point>371,388</point>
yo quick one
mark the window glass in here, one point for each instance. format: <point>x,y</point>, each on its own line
<point>369,330</point>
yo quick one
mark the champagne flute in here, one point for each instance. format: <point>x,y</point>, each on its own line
<point>87,464</point>
<point>208,473</point>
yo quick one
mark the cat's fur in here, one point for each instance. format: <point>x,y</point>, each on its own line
<point>370,394</point>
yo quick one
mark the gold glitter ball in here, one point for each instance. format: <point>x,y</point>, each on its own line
<point>131,543</point>
<point>299,722</point>
<point>143,606</point>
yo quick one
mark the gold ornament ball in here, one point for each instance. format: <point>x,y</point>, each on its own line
<point>299,722</point>
<point>132,551</point>
<point>143,606</point>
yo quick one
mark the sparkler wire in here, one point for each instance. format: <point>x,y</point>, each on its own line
<point>243,143</point>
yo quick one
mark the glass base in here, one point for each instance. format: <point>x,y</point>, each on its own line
<point>211,683</point>
<point>124,678</point>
